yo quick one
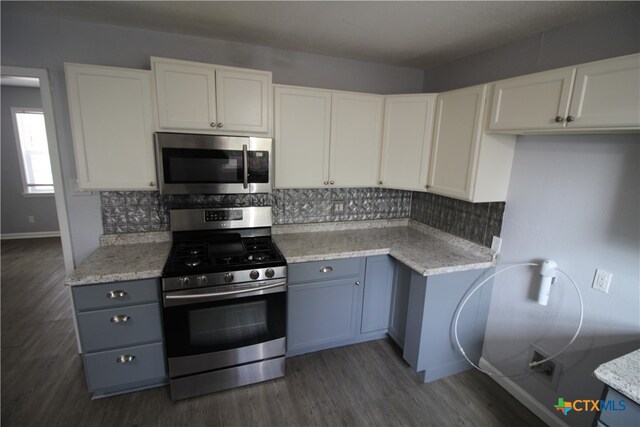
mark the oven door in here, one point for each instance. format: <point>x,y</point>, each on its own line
<point>206,164</point>
<point>206,329</point>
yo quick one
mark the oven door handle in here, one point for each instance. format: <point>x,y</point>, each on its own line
<point>222,294</point>
<point>245,167</point>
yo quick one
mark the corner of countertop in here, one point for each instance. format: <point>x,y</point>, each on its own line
<point>460,242</point>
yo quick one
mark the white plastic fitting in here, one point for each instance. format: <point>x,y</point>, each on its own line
<point>548,271</point>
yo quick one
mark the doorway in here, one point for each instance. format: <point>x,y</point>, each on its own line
<point>39,78</point>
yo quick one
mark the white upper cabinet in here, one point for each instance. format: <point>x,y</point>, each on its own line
<point>186,95</point>
<point>112,127</point>
<point>607,94</point>
<point>302,136</point>
<point>356,132</point>
<point>406,141</point>
<point>532,102</point>
<point>325,138</point>
<point>598,95</point>
<point>212,99</point>
<point>466,162</point>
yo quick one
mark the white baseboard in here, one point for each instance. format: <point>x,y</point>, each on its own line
<point>522,396</point>
<point>34,235</point>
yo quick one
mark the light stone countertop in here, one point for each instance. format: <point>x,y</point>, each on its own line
<point>423,249</point>
<point>426,250</point>
<point>622,375</point>
<point>121,262</point>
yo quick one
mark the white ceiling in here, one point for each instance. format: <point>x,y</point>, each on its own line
<point>419,34</point>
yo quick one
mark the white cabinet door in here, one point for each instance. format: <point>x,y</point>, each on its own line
<point>243,100</point>
<point>406,141</point>
<point>302,132</point>
<point>457,129</point>
<point>607,94</point>
<point>532,102</point>
<point>111,123</point>
<point>186,95</point>
<point>356,135</point>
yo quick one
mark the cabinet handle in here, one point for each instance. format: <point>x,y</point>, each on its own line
<point>152,184</point>
<point>326,183</point>
<point>380,182</point>
<point>427,186</point>
<point>213,124</point>
<point>570,119</point>
<point>219,124</point>
<point>120,318</point>
<point>332,182</point>
<point>125,358</point>
<point>357,283</point>
<point>116,294</point>
<point>559,119</point>
<point>327,269</point>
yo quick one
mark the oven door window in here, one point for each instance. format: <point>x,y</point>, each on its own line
<point>223,325</point>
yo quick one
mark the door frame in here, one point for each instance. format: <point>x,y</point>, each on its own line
<point>54,155</point>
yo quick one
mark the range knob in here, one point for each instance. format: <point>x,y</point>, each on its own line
<point>269,273</point>
<point>228,277</point>
<point>254,274</point>
<point>183,282</point>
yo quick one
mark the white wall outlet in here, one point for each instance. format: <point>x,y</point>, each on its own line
<point>602,281</point>
<point>32,219</point>
<point>338,207</point>
<point>496,244</point>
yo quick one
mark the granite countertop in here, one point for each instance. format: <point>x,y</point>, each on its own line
<point>124,257</point>
<point>422,248</point>
<point>622,375</point>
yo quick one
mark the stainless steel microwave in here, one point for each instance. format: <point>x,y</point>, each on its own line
<point>211,164</point>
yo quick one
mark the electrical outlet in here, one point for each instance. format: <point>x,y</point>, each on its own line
<point>338,207</point>
<point>32,219</point>
<point>496,244</point>
<point>602,281</point>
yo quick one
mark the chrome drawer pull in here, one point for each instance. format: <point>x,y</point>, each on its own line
<point>125,358</point>
<point>327,269</point>
<point>116,294</point>
<point>120,318</point>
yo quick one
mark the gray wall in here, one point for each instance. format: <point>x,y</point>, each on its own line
<point>15,207</point>
<point>48,43</point>
<point>605,36</point>
<point>573,199</point>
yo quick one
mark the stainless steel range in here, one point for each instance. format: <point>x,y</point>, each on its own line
<point>224,296</point>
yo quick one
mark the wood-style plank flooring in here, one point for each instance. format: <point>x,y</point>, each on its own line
<point>365,384</point>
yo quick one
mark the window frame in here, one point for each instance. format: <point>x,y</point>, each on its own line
<point>21,160</point>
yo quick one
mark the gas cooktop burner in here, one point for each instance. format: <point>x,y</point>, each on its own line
<point>221,254</point>
<point>193,262</point>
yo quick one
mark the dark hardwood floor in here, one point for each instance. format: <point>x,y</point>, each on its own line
<point>365,384</point>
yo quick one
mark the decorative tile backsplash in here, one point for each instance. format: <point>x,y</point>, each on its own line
<point>301,206</point>
<point>141,211</point>
<point>477,222</point>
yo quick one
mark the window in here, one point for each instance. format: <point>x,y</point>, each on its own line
<point>33,150</point>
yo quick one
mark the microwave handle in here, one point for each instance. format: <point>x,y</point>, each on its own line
<point>245,167</point>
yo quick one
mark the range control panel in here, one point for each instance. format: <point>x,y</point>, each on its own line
<point>222,215</point>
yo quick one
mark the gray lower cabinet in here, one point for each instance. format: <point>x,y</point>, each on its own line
<point>399,303</point>
<point>429,346</point>
<point>337,302</point>
<point>617,410</point>
<point>376,301</point>
<point>120,329</point>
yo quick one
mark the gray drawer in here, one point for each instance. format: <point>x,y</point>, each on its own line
<point>98,332</point>
<point>103,370</point>
<point>325,270</point>
<point>91,297</point>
